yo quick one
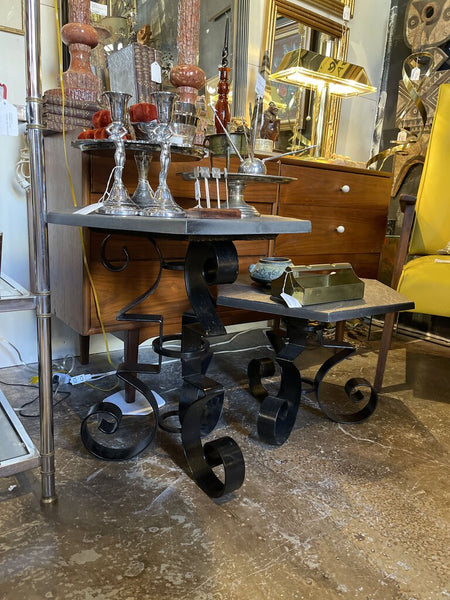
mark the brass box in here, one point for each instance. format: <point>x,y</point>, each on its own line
<point>319,284</point>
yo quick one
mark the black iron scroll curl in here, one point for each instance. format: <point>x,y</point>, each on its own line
<point>353,389</point>
<point>198,354</point>
<point>106,263</point>
<point>111,418</point>
<point>223,451</point>
<point>206,264</point>
<point>124,314</point>
<point>278,413</point>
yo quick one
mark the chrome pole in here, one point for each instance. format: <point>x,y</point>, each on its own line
<point>39,209</point>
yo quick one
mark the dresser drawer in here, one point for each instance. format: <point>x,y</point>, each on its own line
<point>333,230</point>
<point>327,187</point>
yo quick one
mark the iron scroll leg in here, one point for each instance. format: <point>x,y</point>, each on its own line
<point>278,413</point>
<point>201,400</point>
<point>200,406</point>
<point>209,263</point>
<point>109,416</point>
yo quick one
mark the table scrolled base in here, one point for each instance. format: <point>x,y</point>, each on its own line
<point>200,400</point>
<point>109,418</point>
<point>277,414</point>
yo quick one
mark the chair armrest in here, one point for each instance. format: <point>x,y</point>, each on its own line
<point>406,201</point>
<point>407,205</point>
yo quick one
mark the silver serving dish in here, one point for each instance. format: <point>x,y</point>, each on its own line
<point>145,130</point>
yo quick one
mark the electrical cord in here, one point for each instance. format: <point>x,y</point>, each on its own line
<point>20,412</point>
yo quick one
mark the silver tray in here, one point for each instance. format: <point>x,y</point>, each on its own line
<point>245,177</point>
<point>181,152</point>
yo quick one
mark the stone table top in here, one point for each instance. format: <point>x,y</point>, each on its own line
<point>378,299</point>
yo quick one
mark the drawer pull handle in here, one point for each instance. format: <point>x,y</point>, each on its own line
<point>345,189</point>
<point>340,229</point>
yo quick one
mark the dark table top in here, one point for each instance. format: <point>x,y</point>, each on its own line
<point>264,227</point>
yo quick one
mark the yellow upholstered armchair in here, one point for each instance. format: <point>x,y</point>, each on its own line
<point>422,267</point>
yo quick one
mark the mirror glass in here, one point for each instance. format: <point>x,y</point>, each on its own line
<point>289,28</point>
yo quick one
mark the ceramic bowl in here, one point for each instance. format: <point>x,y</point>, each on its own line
<point>269,268</point>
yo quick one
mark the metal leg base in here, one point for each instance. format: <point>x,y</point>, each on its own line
<point>277,414</point>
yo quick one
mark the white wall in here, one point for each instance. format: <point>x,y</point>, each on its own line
<point>367,39</point>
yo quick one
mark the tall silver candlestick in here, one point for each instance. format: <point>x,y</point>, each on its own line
<point>118,201</point>
<point>164,205</point>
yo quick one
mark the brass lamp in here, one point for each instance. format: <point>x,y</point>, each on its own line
<point>325,75</point>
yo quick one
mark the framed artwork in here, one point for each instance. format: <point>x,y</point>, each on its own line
<point>11,16</point>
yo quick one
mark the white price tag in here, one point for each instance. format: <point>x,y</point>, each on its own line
<point>415,74</point>
<point>402,136</point>
<point>8,118</point>
<point>86,210</point>
<point>99,9</point>
<point>290,300</point>
<point>346,13</point>
<point>260,86</point>
<point>155,72</point>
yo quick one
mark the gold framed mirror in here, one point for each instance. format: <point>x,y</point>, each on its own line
<point>333,7</point>
<point>289,26</point>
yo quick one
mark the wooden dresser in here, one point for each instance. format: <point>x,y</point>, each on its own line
<point>348,211</point>
<point>318,195</point>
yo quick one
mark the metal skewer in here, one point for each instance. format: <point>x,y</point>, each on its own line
<point>204,173</point>
<point>246,137</point>
<point>197,191</point>
<point>215,172</point>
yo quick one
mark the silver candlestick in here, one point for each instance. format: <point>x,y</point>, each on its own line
<point>118,201</point>
<point>164,205</point>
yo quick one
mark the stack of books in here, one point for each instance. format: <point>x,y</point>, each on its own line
<point>130,71</point>
<point>77,113</point>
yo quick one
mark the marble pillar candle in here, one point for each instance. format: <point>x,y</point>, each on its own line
<point>80,83</point>
<point>187,75</point>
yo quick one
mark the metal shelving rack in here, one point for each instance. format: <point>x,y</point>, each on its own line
<point>17,451</point>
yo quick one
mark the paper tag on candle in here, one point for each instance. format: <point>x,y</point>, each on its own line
<point>290,300</point>
<point>415,74</point>
<point>346,13</point>
<point>155,72</point>
<point>8,118</point>
<point>260,86</point>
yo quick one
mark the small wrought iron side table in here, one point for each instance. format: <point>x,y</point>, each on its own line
<point>277,414</point>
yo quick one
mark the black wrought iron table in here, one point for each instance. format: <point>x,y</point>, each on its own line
<point>211,259</point>
<point>278,413</point>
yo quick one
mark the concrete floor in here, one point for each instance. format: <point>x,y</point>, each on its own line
<point>338,511</point>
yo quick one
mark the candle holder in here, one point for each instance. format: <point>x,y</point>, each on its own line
<point>164,204</point>
<point>118,201</point>
<point>143,195</point>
